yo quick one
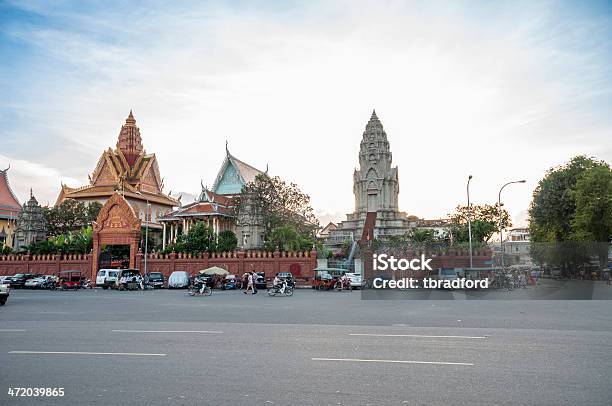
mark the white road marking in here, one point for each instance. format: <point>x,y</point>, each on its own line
<point>87,353</point>
<point>416,335</point>
<point>10,330</point>
<point>392,361</point>
<point>169,331</point>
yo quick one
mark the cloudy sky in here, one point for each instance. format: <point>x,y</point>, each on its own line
<point>499,90</point>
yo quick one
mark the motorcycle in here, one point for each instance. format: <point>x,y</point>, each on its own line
<point>199,288</point>
<point>87,284</point>
<point>344,284</point>
<point>285,289</point>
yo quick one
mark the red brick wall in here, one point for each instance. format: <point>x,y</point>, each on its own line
<point>45,264</point>
<point>234,262</point>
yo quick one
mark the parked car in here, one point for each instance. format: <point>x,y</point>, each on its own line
<point>232,282</point>
<point>178,280</point>
<point>40,282</point>
<point>5,279</point>
<point>156,279</point>
<point>107,278</point>
<point>19,280</point>
<point>260,283</point>
<point>5,290</point>
<point>356,280</point>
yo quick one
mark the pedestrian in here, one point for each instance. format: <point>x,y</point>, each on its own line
<point>245,282</point>
<point>254,278</point>
<point>249,283</point>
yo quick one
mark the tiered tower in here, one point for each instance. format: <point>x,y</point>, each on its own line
<point>31,226</point>
<point>376,189</point>
<point>375,184</point>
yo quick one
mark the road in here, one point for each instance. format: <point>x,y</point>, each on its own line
<point>315,348</point>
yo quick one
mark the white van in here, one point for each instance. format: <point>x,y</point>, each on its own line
<point>107,278</point>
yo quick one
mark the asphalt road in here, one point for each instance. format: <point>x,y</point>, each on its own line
<point>315,348</point>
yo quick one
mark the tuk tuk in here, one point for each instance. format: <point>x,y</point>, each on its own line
<point>323,280</point>
<point>70,280</point>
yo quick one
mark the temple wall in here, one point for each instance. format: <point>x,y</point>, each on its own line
<point>301,264</point>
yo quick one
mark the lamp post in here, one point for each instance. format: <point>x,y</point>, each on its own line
<point>501,230</point>
<point>146,231</point>
<point>469,219</point>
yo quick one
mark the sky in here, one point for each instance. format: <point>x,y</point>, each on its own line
<point>501,91</point>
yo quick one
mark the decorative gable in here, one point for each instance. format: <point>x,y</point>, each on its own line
<point>230,181</point>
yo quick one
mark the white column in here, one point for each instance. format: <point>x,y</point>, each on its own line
<point>164,237</point>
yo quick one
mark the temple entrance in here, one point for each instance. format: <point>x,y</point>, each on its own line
<point>114,257</point>
<point>116,225</point>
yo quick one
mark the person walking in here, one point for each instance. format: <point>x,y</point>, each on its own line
<point>249,283</point>
<point>254,281</point>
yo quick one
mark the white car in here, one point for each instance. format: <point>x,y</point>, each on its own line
<point>356,280</point>
<point>107,278</point>
<point>4,293</point>
<point>36,283</point>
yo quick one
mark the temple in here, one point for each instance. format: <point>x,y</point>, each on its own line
<point>376,190</point>
<point>31,225</point>
<point>10,208</point>
<point>132,172</point>
<point>216,207</point>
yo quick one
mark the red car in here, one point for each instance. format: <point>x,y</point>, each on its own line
<point>70,280</point>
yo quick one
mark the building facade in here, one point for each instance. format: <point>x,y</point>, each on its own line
<point>376,190</point>
<point>129,170</point>
<point>217,209</point>
<point>10,208</point>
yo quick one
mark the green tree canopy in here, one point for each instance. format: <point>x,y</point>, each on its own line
<point>70,215</point>
<point>485,223</point>
<point>570,216</point>
<point>277,205</point>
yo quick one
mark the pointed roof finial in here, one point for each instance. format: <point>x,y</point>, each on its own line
<point>226,148</point>
<point>131,119</point>
<point>374,117</point>
<point>31,194</point>
<point>266,168</point>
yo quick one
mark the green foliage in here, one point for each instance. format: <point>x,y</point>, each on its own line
<point>200,238</point>
<point>6,250</point>
<point>226,241</point>
<point>79,242</point>
<point>287,238</point>
<point>70,215</point>
<point>571,212</point>
<point>485,223</point>
<point>275,203</point>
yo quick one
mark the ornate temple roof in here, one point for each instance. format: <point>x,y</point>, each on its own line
<point>233,174</point>
<point>128,169</point>
<point>9,204</point>
<point>130,142</point>
<point>208,204</point>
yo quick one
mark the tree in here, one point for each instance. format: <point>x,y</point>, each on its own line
<point>287,238</point>
<point>78,242</point>
<point>570,209</point>
<point>70,215</point>
<point>485,223</point>
<point>226,241</point>
<point>200,238</point>
<point>274,203</point>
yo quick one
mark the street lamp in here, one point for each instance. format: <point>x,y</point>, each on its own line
<point>146,231</point>
<point>501,230</point>
<point>469,219</point>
